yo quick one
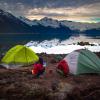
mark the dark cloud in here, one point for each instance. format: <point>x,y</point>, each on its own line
<point>50,8</point>
<point>50,3</point>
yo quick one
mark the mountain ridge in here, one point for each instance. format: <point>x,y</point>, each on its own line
<point>9,24</point>
<point>55,23</point>
<point>45,26</point>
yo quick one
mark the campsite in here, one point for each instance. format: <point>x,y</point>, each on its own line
<point>49,49</point>
<point>19,83</point>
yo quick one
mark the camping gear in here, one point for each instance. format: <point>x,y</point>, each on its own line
<point>82,61</point>
<point>19,56</point>
<point>38,69</point>
<point>63,67</point>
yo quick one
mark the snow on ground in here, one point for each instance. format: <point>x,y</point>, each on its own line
<point>64,47</point>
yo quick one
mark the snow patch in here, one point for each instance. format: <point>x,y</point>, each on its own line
<point>64,47</point>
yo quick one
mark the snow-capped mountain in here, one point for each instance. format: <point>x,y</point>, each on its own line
<point>11,24</point>
<point>49,22</point>
<point>3,13</point>
<point>29,22</point>
<point>44,22</point>
<point>46,28</point>
<point>55,24</point>
<point>80,26</point>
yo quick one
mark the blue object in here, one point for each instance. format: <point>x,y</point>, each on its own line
<point>44,64</point>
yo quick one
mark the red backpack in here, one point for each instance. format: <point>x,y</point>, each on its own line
<point>37,68</point>
<point>63,66</point>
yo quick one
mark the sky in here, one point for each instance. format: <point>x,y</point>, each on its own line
<point>74,10</point>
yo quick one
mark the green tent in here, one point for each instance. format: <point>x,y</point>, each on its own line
<point>19,55</point>
<point>82,61</point>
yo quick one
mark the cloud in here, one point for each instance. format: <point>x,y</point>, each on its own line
<point>16,9</point>
<point>83,11</point>
<point>51,3</point>
<point>58,9</point>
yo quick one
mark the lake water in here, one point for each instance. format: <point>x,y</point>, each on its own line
<point>9,40</point>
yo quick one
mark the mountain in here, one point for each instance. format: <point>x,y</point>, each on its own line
<point>55,27</point>
<point>92,32</point>
<point>55,24</point>
<point>27,21</point>
<point>46,28</point>
<point>49,22</point>
<point>44,22</point>
<point>12,24</point>
<point>80,26</point>
<point>48,32</point>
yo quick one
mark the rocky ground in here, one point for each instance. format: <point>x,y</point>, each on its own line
<point>19,84</point>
